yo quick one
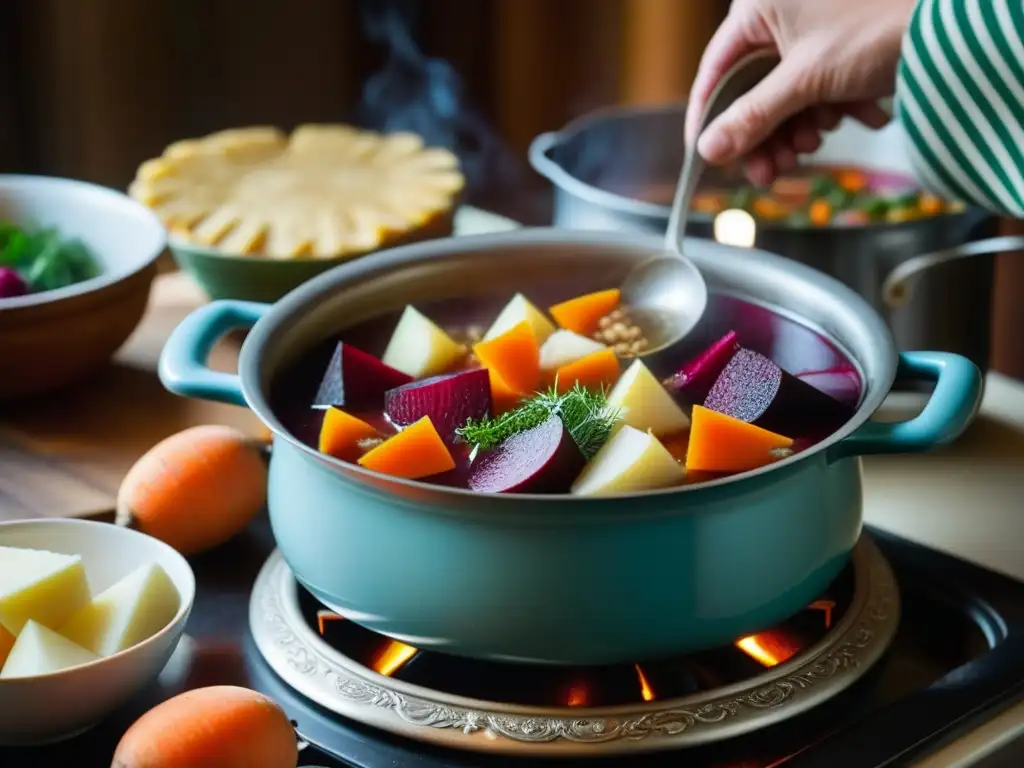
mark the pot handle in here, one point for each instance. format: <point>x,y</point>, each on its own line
<point>538,154</point>
<point>898,287</point>
<point>948,412</point>
<point>183,368</point>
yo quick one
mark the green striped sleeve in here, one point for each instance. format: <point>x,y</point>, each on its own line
<point>960,98</point>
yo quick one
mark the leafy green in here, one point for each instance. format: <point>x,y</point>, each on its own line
<point>585,414</point>
<point>44,259</point>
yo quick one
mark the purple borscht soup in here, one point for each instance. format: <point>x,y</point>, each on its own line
<point>514,398</point>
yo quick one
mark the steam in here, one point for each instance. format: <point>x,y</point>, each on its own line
<point>422,95</point>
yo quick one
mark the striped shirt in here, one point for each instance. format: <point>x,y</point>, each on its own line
<point>960,98</point>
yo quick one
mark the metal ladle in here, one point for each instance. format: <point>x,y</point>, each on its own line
<point>666,294</point>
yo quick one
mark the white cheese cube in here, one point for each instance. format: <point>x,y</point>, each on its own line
<point>41,651</point>
<point>46,587</point>
<point>519,310</point>
<point>629,462</point>
<point>419,348</point>
<point>123,615</point>
<point>645,404</point>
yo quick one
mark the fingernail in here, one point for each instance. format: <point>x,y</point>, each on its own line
<point>715,146</point>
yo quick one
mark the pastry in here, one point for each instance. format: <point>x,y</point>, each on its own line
<point>326,191</point>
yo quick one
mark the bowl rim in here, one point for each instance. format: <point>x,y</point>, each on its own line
<point>480,246</point>
<point>184,609</point>
<point>177,243</point>
<point>117,204</point>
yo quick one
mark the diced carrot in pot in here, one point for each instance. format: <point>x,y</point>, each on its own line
<point>820,213</point>
<point>514,357</point>
<point>582,314</point>
<point>417,451</point>
<point>341,433</point>
<point>720,443</point>
<point>596,371</point>
<point>852,180</point>
<point>930,205</point>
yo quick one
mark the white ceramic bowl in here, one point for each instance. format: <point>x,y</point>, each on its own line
<point>56,338</point>
<point>47,708</point>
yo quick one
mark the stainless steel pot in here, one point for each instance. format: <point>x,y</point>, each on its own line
<point>934,291</point>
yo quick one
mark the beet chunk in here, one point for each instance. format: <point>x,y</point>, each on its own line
<point>696,378</point>
<point>356,379</point>
<point>544,459</point>
<point>450,400</point>
<point>754,389</point>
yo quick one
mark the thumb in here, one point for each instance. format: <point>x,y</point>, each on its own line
<point>755,116</point>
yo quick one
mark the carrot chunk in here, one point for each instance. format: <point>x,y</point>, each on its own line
<point>503,397</point>
<point>819,213</point>
<point>582,314</point>
<point>596,370</point>
<point>417,451</point>
<point>514,357</point>
<point>852,180</point>
<point>720,443</point>
<point>341,433</point>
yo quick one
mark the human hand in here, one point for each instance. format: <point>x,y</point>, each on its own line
<point>838,58</point>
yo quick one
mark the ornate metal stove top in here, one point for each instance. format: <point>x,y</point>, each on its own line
<point>339,683</point>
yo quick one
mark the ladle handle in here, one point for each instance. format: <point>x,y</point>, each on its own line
<point>743,76</point>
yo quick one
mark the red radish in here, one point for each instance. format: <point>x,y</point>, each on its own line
<point>356,379</point>
<point>11,284</point>
<point>754,389</point>
<point>544,459</point>
<point>449,400</point>
<point>841,382</point>
<point>696,378</point>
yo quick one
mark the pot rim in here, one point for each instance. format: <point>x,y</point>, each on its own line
<point>481,246</point>
<point>564,180</point>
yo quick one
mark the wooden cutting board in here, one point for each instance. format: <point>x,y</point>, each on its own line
<point>65,455</point>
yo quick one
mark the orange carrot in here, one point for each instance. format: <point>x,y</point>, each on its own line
<point>596,370</point>
<point>930,205</point>
<point>769,208</point>
<point>503,397</point>
<point>582,314</point>
<point>341,433</point>
<point>852,180</point>
<point>417,451</point>
<point>720,443</point>
<point>196,489</point>
<point>217,727</point>
<point>514,357</point>
<point>819,213</point>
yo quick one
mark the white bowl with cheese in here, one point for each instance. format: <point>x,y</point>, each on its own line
<point>89,615</point>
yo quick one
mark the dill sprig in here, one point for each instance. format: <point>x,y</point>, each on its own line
<point>585,414</point>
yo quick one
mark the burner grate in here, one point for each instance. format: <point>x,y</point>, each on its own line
<point>559,711</point>
<point>584,686</point>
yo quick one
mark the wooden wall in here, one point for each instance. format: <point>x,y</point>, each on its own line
<point>89,88</point>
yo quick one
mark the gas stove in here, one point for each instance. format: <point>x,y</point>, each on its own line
<point>907,649</point>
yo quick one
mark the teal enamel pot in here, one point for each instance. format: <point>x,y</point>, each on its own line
<point>558,579</point>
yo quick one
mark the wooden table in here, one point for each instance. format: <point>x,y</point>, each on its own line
<point>65,454</point>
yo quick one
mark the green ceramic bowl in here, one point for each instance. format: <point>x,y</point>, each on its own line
<point>254,278</point>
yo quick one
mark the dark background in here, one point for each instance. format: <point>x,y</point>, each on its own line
<point>90,88</point>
